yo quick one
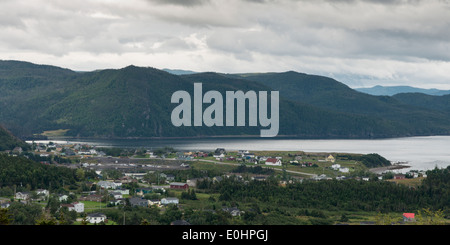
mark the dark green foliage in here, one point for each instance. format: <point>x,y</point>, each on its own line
<point>189,195</point>
<point>22,214</point>
<point>253,170</point>
<point>9,141</point>
<point>349,195</point>
<point>369,160</point>
<point>390,113</point>
<point>22,171</point>
<point>113,151</point>
<point>441,103</point>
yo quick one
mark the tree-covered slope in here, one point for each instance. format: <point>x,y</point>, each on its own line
<point>8,141</point>
<point>136,102</point>
<point>431,102</point>
<point>332,95</point>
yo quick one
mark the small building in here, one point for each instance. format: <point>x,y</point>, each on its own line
<point>76,206</point>
<point>330,158</point>
<point>122,191</point>
<point>62,197</point>
<point>116,195</point>
<point>142,191</point>
<point>233,211</point>
<point>273,162</point>
<point>108,184</point>
<point>126,180</point>
<point>17,150</point>
<point>96,218</point>
<point>92,198</point>
<point>217,179</point>
<point>408,217</point>
<point>154,202</point>
<point>42,192</point>
<point>399,176</point>
<point>138,202</point>
<point>5,205</point>
<point>344,170</point>
<point>177,185</point>
<point>158,189</point>
<point>22,196</point>
<point>259,178</point>
<point>169,200</point>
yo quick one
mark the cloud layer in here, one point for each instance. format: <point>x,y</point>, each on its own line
<point>361,43</point>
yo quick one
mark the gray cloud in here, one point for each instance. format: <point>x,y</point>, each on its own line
<point>387,41</point>
<point>187,3</point>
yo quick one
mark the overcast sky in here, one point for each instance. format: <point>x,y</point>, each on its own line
<point>360,43</point>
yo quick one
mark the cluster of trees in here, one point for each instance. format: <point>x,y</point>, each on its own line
<point>349,195</point>
<point>372,160</point>
<point>189,195</point>
<point>20,171</point>
<point>9,141</point>
<point>253,170</point>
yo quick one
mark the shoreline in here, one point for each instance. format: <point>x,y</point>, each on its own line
<point>392,167</point>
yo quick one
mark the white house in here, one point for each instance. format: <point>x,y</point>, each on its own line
<point>123,191</point>
<point>62,197</point>
<point>22,195</point>
<point>154,202</point>
<point>116,195</point>
<point>273,162</point>
<point>42,192</point>
<point>169,200</point>
<point>336,166</point>
<point>76,206</point>
<point>108,184</point>
<point>344,170</point>
<point>96,218</point>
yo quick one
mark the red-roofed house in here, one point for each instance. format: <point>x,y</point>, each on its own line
<point>408,217</point>
<point>273,161</point>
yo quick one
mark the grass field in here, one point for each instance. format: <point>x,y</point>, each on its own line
<point>409,182</point>
<point>55,133</point>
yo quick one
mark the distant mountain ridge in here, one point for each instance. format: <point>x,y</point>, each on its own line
<point>179,71</point>
<point>134,102</point>
<point>393,90</point>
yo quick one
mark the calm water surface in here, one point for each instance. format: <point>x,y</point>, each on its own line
<point>422,153</point>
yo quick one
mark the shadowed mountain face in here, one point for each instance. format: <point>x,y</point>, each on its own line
<point>136,102</point>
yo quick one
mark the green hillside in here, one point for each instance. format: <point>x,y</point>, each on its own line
<point>330,94</point>
<point>135,102</point>
<point>431,102</point>
<point>9,141</point>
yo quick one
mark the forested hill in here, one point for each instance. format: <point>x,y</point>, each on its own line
<point>9,141</point>
<point>136,102</point>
